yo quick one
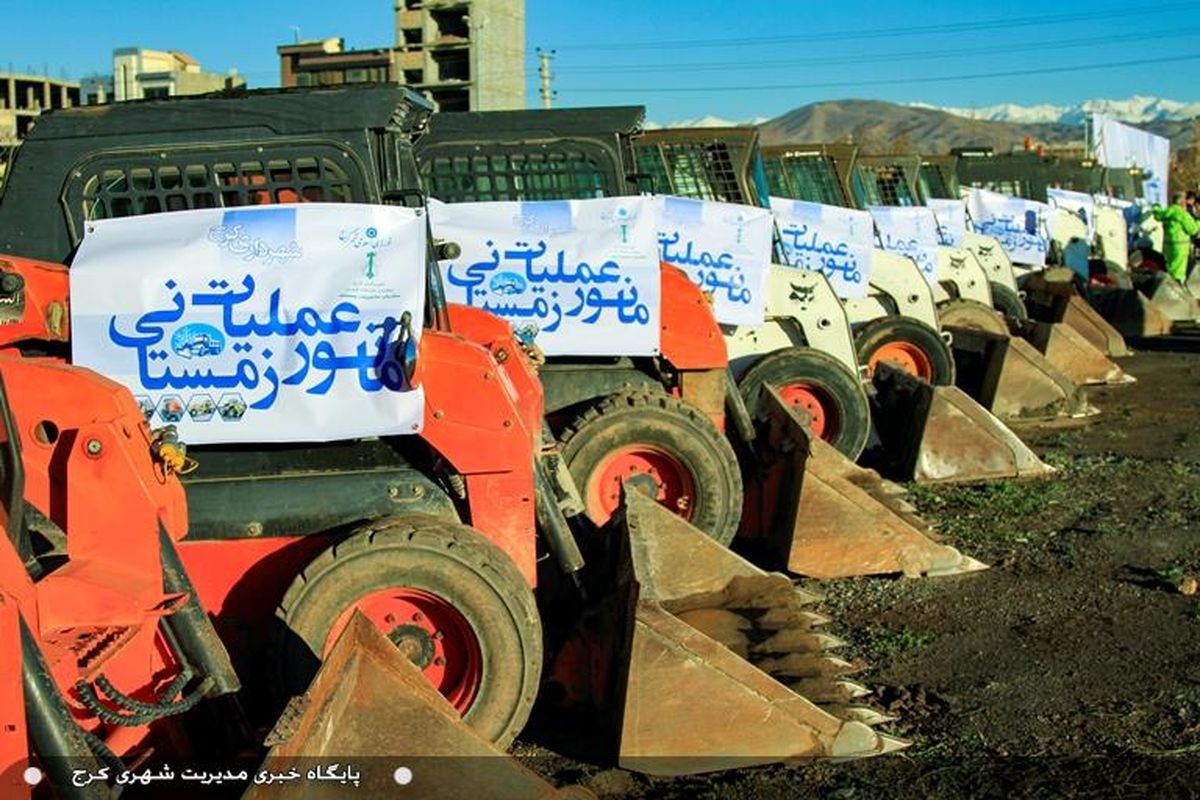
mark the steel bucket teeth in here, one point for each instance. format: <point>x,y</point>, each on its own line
<point>804,665</point>
<point>939,434</point>
<point>774,619</point>
<point>865,715</point>
<point>681,700</point>
<point>798,641</point>
<point>834,519</point>
<point>370,707</point>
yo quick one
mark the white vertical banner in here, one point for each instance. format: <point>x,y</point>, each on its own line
<point>725,248</point>
<point>951,217</point>
<point>1018,224</point>
<point>911,232</point>
<point>262,324</point>
<point>827,239</point>
<point>576,277</point>
<point>1115,144</point>
<point>1081,204</point>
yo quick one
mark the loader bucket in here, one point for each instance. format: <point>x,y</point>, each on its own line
<point>1167,295</point>
<point>718,664</point>
<point>1129,311</point>
<point>1077,358</point>
<point>834,519</point>
<point>370,707</point>
<point>1057,301</point>
<point>1011,379</point>
<point>1085,320</point>
<point>939,434</point>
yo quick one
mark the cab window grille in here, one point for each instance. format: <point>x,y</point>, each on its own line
<point>885,185</point>
<point>810,177</point>
<point>181,185</point>
<point>520,175</point>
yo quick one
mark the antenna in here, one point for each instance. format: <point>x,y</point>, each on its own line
<point>295,33</point>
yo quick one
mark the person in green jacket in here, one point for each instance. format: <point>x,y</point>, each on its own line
<point>1178,229</point>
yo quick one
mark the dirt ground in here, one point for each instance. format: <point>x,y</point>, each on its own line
<point>1069,669</point>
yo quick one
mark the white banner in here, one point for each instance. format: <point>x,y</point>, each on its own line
<point>951,217</point>
<point>827,239</point>
<point>261,324</point>
<point>1018,224</point>
<point>576,277</point>
<point>1080,204</point>
<point>724,248</point>
<point>1115,144</point>
<point>911,232</point>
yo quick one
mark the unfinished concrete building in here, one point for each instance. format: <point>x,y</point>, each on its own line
<point>468,55</point>
<point>22,99</point>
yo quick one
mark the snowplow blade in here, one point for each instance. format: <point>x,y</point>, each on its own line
<point>1012,380</point>
<point>939,434</point>
<point>824,517</point>
<point>718,664</point>
<point>369,707</point>
<point>1077,358</point>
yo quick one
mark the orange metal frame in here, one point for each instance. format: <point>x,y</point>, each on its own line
<point>86,452</point>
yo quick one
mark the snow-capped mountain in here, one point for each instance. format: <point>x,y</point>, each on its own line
<point>1137,109</point>
<point>708,122</point>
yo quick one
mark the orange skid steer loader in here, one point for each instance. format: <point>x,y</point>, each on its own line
<point>574,154</point>
<point>946,435</point>
<point>114,676</point>
<point>430,537</point>
<point>114,165</point>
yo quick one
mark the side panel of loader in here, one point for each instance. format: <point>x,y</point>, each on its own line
<point>897,287</point>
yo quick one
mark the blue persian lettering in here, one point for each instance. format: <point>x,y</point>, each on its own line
<point>805,248</point>
<point>235,240</point>
<point>518,282</point>
<point>1013,235</point>
<point>377,362</point>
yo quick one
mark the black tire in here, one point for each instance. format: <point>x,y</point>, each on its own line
<point>667,425</point>
<point>1008,303</point>
<point>449,560</point>
<point>841,393</point>
<point>895,329</point>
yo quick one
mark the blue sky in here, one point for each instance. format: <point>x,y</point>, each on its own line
<point>688,59</point>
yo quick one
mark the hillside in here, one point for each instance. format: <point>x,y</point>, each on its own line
<point>881,127</point>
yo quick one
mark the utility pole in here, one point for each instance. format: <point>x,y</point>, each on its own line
<point>547,93</point>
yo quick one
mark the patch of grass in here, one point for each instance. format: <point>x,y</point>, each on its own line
<point>902,641</point>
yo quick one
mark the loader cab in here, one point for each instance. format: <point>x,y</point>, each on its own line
<point>1028,174</point>
<point>520,155</point>
<point>700,163</point>
<point>816,173</point>
<point>936,178</point>
<point>886,181</point>
<point>220,151</point>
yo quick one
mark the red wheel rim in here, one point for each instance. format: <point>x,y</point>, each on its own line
<point>431,632</point>
<point>818,403</point>
<point>674,487</point>
<point>905,355</point>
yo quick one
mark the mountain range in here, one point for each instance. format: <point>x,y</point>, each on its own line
<point>1137,109</point>
<point>881,126</point>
